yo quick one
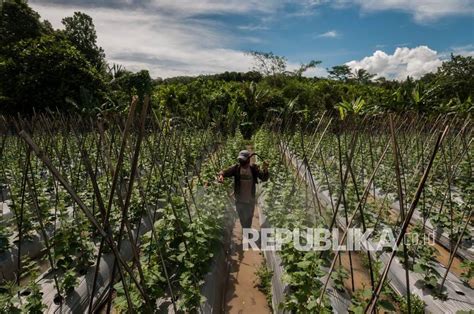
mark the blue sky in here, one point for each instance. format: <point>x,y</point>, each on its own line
<point>391,38</point>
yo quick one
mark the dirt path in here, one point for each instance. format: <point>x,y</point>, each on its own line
<point>242,294</point>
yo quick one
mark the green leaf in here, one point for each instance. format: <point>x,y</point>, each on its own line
<point>358,310</point>
<point>366,293</point>
<point>304,264</point>
<point>312,304</point>
<point>417,268</point>
<point>387,305</point>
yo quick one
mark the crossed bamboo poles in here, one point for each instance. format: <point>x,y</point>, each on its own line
<point>103,226</point>
<point>25,136</point>
<point>412,206</point>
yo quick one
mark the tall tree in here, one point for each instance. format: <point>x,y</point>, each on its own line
<point>18,22</point>
<point>48,72</point>
<point>456,78</point>
<point>268,63</point>
<point>362,76</point>
<point>306,66</point>
<point>80,31</point>
<point>340,72</point>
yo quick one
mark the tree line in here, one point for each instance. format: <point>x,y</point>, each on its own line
<point>65,70</point>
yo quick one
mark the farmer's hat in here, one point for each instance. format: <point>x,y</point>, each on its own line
<point>244,155</point>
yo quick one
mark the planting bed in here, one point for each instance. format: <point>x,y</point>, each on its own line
<point>319,149</point>
<point>125,213</point>
<point>166,216</point>
<point>457,294</point>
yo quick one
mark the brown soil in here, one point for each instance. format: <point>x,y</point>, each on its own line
<point>442,256</point>
<point>43,265</point>
<point>361,273</point>
<point>242,294</point>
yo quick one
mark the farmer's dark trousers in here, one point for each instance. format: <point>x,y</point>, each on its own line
<point>245,211</point>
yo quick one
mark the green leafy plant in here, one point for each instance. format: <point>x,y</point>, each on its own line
<point>120,302</point>
<point>9,298</point>
<point>29,267</point>
<point>426,265</point>
<point>303,272</point>
<point>416,303</point>
<point>468,271</point>
<point>34,303</point>
<point>441,220</point>
<point>339,275</point>
<point>360,300</point>
<point>4,238</point>
<point>72,247</point>
<point>187,246</point>
<point>264,275</point>
<point>69,281</point>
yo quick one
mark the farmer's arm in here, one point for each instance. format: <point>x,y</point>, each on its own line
<point>262,173</point>
<point>229,172</point>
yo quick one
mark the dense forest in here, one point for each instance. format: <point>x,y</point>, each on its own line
<point>65,70</point>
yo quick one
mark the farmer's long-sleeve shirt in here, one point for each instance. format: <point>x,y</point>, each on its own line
<point>234,171</point>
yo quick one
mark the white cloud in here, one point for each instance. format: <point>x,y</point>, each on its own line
<point>164,42</point>
<point>193,7</point>
<point>165,45</point>
<point>330,34</point>
<point>404,62</point>
<point>466,50</point>
<point>253,27</point>
<point>317,71</point>
<point>168,38</point>
<point>422,10</point>
<point>176,7</point>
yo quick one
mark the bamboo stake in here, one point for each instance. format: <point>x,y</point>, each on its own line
<point>371,305</point>
<point>344,202</point>
<point>106,225</point>
<point>32,188</point>
<point>451,257</point>
<point>402,211</point>
<point>362,200</point>
<point>41,155</point>
<point>22,208</point>
<point>125,222</point>
<point>344,235</point>
<point>369,257</point>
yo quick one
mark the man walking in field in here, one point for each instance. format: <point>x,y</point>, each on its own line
<point>246,176</point>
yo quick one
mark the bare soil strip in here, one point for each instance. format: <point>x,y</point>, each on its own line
<point>242,294</point>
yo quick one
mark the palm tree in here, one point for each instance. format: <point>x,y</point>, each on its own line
<point>362,76</point>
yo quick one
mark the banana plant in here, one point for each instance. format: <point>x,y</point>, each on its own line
<point>354,107</point>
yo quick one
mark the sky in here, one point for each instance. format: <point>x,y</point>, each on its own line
<point>389,38</point>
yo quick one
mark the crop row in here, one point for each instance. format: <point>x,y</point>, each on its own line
<point>334,180</point>
<point>340,161</point>
<point>147,188</point>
